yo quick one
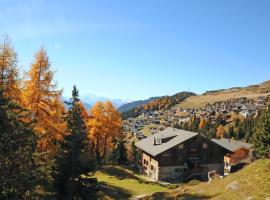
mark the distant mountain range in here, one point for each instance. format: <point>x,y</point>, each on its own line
<point>126,105</point>
<point>89,100</point>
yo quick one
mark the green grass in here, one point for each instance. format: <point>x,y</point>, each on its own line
<point>120,183</point>
<point>253,181</point>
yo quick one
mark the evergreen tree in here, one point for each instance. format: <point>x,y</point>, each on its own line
<point>19,177</point>
<point>74,159</point>
<point>211,133</point>
<point>237,122</point>
<point>231,132</point>
<point>261,137</point>
<point>240,133</point>
<point>225,135</point>
<point>120,153</point>
<point>136,156</point>
<point>248,135</point>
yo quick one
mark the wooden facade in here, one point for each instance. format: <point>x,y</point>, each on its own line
<point>194,157</point>
<point>239,155</point>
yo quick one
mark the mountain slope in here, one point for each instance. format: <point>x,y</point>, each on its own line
<point>135,104</point>
<point>164,102</point>
<point>252,182</point>
<point>252,91</point>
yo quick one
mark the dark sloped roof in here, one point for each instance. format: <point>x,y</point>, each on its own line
<point>250,107</point>
<point>231,145</point>
<point>176,136</point>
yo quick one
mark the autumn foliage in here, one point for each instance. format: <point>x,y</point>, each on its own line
<point>104,126</point>
<point>220,132</point>
<point>44,101</point>
<point>9,80</point>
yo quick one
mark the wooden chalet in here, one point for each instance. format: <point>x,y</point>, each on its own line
<point>240,151</point>
<point>179,155</point>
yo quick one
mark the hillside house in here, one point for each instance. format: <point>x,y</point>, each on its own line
<point>248,109</point>
<point>240,151</point>
<point>178,155</point>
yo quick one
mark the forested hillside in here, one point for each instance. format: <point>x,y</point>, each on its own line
<point>135,104</point>
<point>160,103</point>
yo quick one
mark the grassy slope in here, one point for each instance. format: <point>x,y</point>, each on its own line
<point>123,184</point>
<point>252,181</point>
<point>249,92</point>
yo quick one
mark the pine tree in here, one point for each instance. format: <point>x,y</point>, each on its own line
<point>74,159</point>
<point>120,153</point>
<point>237,122</point>
<point>136,156</point>
<point>19,172</point>
<point>211,133</point>
<point>261,137</point>
<point>240,133</point>
<point>231,132</point>
<point>44,101</point>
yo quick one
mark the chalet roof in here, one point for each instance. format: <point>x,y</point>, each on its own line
<point>171,137</point>
<point>249,107</point>
<point>232,145</point>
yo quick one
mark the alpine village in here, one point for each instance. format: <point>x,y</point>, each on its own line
<point>134,100</point>
<point>186,146</point>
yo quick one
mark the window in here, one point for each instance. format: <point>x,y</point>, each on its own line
<point>152,167</point>
<point>145,162</point>
<point>166,154</point>
<point>193,150</point>
<point>181,146</point>
<point>177,170</point>
<point>205,145</point>
<point>158,141</point>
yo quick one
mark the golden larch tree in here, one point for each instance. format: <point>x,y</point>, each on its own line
<point>202,123</point>
<point>104,127</point>
<point>9,78</point>
<point>220,132</point>
<point>44,101</point>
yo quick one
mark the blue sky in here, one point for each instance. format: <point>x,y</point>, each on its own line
<point>137,49</point>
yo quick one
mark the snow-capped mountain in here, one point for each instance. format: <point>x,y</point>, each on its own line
<point>89,100</point>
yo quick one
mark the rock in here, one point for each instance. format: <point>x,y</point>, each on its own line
<point>139,197</point>
<point>233,185</point>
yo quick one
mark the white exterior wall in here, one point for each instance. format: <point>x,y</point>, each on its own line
<point>150,167</point>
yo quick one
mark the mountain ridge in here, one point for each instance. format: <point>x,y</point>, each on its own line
<point>90,99</point>
<point>135,104</point>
